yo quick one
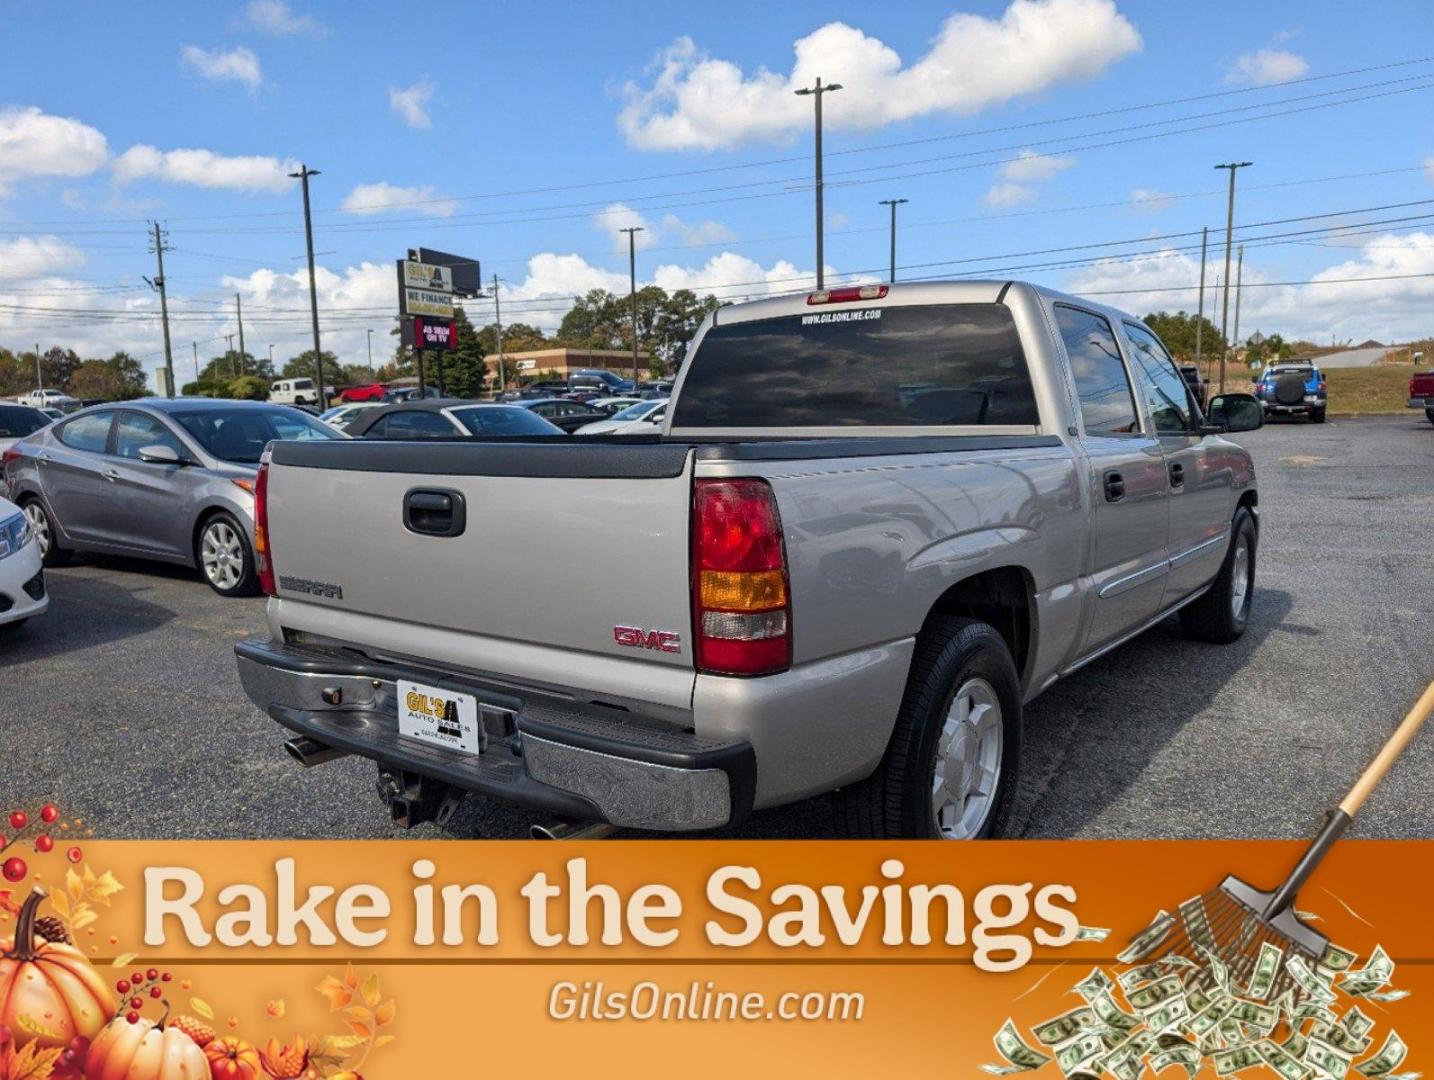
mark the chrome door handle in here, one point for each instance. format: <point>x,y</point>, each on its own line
<point>111,475</point>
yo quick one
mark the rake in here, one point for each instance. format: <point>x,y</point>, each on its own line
<point>1234,921</point>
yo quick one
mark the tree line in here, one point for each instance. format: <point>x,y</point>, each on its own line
<point>119,378</point>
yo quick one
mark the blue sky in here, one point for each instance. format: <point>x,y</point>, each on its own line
<point>526,135</point>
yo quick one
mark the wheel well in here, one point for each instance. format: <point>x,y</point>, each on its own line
<point>1248,498</point>
<point>204,518</point>
<point>1000,597</point>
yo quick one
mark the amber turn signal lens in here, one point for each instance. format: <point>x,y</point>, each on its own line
<point>736,591</point>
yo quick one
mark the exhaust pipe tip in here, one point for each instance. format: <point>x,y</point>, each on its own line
<point>567,829</point>
<point>310,752</point>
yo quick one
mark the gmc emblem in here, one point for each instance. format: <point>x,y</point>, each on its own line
<point>635,637</point>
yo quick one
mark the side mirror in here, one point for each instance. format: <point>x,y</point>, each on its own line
<point>159,455</point>
<point>1236,412</point>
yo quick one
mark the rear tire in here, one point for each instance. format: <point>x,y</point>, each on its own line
<point>1221,615</point>
<point>46,532</point>
<point>951,768</point>
<point>223,556</point>
<point>11,627</point>
<point>1317,416</point>
<point>1429,415</point>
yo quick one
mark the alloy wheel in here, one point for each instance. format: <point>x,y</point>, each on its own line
<point>39,525</point>
<point>221,551</point>
<point>967,768</point>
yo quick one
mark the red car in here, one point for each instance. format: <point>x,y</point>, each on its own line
<point>370,392</point>
<point>1421,393</point>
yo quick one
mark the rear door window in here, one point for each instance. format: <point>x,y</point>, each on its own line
<point>1107,405</point>
<point>90,432</point>
<point>934,365</point>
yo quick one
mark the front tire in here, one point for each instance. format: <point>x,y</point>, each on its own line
<point>224,558</point>
<point>951,768</point>
<point>46,533</point>
<point>1221,615</point>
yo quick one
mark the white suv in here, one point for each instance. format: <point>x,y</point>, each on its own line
<point>46,399</point>
<point>294,392</point>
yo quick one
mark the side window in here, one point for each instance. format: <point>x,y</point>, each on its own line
<point>1107,405</point>
<point>378,429</point>
<point>419,425</point>
<point>1165,388</point>
<point>136,430</point>
<point>90,432</point>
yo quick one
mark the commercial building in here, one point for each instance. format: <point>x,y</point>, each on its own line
<point>534,362</point>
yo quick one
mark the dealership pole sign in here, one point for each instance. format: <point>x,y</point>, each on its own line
<point>428,283</point>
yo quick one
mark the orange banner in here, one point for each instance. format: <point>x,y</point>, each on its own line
<point>386,959</point>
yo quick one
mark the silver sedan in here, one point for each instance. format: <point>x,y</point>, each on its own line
<point>171,480</point>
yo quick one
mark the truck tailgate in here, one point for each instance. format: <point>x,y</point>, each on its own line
<point>560,544</point>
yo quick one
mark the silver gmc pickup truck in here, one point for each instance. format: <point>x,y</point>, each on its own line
<point>876,522</point>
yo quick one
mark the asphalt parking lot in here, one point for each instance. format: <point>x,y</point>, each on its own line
<point>122,703</point>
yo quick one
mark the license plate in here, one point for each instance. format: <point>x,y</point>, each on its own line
<point>441,717</point>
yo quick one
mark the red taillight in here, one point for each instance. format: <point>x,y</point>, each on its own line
<point>11,454</point>
<point>741,606</point>
<point>847,295</point>
<point>1321,384</point>
<point>263,551</point>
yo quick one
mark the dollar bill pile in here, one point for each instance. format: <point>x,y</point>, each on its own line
<point>1194,1011</point>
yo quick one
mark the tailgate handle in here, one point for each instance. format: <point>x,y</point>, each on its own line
<point>433,512</point>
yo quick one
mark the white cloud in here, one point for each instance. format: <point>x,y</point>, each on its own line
<point>277,18</point>
<point>616,217</point>
<point>1397,307</point>
<point>409,103</point>
<point>696,101</point>
<point>27,257</point>
<point>34,143</point>
<point>232,65</point>
<point>204,168</point>
<point>1028,168</point>
<point>1150,200</point>
<point>1266,67</point>
<point>383,196</point>
<point>1009,195</point>
<point>1031,166</point>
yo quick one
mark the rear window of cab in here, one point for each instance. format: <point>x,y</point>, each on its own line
<point>918,366</point>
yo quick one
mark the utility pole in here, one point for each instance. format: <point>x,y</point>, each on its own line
<point>1239,280</point>
<point>271,354</point>
<point>370,353</point>
<point>195,346</point>
<point>817,91</point>
<point>893,203</point>
<point>498,328</point>
<point>239,317</point>
<point>1200,318</point>
<point>1233,167</point>
<point>632,232</point>
<point>303,177</point>
<point>159,247</point>
<point>39,379</point>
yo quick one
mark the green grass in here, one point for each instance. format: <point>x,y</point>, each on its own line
<point>1383,388</point>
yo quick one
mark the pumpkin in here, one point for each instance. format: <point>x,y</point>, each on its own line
<point>144,1050</point>
<point>232,1059</point>
<point>49,993</point>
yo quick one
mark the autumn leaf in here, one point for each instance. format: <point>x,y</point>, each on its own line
<point>7,902</point>
<point>359,1013</point>
<point>337,993</point>
<point>74,885</point>
<point>384,1014</point>
<point>276,1008</point>
<point>33,1063</point>
<point>371,994</point>
<point>383,1040</point>
<point>84,915</point>
<point>61,904</point>
<point>363,1031</point>
<point>102,888</point>
<point>202,1007</point>
<point>351,979</point>
<point>334,1043</point>
<point>123,960</point>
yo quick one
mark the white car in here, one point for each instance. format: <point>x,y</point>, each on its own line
<point>643,418</point>
<point>22,582</point>
<point>613,405</point>
<point>340,415</point>
<point>46,399</point>
<point>295,392</point>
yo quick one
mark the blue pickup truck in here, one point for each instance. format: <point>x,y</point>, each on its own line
<point>1293,388</point>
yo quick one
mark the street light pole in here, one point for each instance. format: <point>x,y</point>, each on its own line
<point>498,332</point>
<point>817,91</point>
<point>39,379</point>
<point>1200,317</point>
<point>1239,280</point>
<point>239,318</point>
<point>632,232</point>
<point>893,203</point>
<point>1233,167</point>
<point>370,354</point>
<point>303,177</point>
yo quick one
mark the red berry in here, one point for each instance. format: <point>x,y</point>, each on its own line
<point>74,854</point>
<point>19,819</point>
<point>155,991</point>
<point>49,813</point>
<point>165,977</point>
<point>136,1003</point>
<point>132,1017</point>
<point>137,978</point>
<point>152,974</point>
<point>43,844</point>
<point>122,986</point>
<point>14,869</point>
